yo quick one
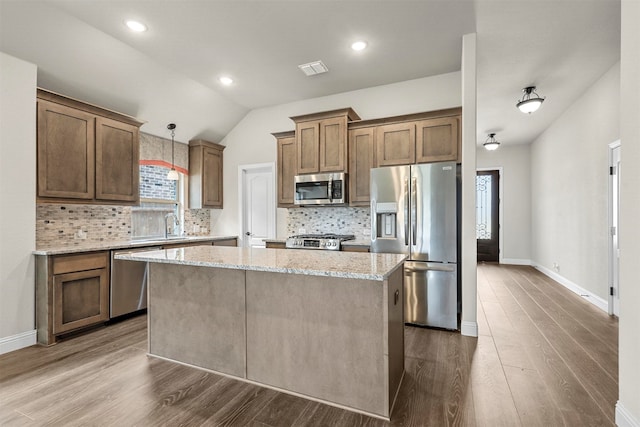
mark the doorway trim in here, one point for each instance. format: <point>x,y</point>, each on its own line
<point>500,212</point>
<point>242,169</point>
<point>610,223</point>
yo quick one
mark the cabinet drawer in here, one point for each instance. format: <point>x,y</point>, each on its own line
<point>87,261</point>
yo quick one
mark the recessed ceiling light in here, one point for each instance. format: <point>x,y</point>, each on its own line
<point>226,80</point>
<point>135,26</point>
<point>359,45</point>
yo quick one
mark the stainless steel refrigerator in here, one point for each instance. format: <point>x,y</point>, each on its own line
<point>414,211</point>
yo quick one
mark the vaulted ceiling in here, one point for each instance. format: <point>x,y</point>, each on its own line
<point>170,72</point>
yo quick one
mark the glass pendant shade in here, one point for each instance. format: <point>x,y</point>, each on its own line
<point>173,173</point>
<point>491,143</point>
<point>529,104</point>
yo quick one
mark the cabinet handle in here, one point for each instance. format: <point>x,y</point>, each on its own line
<point>396,296</point>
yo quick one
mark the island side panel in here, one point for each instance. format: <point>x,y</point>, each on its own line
<point>319,336</point>
<point>197,316</point>
<point>396,331</point>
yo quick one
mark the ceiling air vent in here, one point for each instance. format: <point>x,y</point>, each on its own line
<point>313,68</point>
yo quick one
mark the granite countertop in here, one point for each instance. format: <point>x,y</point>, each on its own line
<point>84,246</point>
<point>368,266</point>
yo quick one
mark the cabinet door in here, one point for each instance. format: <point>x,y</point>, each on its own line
<point>212,178</point>
<point>66,144</point>
<point>437,140</point>
<point>117,165</point>
<point>286,165</point>
<point>333,145</point>
<point>361,160</point>
<point>396,144</point>
<point>80,299</point>
<point>307,141</point>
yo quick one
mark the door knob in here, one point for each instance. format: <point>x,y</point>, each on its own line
<point>248,233</point>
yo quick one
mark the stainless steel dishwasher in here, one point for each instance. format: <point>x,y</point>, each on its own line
<point>128,283</point>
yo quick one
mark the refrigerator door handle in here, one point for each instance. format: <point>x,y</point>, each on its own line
<point>430,267</point>
<point>414,208</point>
<point>406,213</point>
<point>374,221</point>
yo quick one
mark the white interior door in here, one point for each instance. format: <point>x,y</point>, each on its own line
<point>258,204</point>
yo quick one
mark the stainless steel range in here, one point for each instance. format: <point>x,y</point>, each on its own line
<point>330,242</point>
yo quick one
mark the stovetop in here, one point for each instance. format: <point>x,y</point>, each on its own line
<point>341,237</point>
<point>318,241</point>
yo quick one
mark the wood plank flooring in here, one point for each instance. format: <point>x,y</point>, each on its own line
<point>544,357</point>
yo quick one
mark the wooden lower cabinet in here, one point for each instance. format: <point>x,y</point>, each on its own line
<point>275,245</point>
<point>355,248</point>
<point>226,242</point>
<point>72,292</point>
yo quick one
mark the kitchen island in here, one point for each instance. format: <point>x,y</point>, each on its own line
<point>327,326</point>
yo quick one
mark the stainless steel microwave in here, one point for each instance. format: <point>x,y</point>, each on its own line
<point>321,189</point>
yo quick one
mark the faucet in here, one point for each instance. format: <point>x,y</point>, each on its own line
<point>166,224</point>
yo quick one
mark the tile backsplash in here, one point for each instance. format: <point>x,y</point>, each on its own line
<point>57,224</point>
<point>339,220</point>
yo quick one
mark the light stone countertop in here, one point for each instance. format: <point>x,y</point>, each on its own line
<point>84,246</point>
<point>367,266</point>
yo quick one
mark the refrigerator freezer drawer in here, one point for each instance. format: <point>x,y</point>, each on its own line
<point>431,294</point>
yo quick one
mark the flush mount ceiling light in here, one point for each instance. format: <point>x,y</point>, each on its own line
<point>227,81</point>
<point>491,143</point>
<point>135,26</point>
<point>313,68</point>
<point>529,104</point>
<point>173,173</point>
<point>359,45</point>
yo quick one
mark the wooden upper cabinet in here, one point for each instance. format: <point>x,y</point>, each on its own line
<point>86,154</point>
<point>117,161</point>
<point>396,144</point>
<point>361,160</point>
<point>437,140</point>
<point>321,141</point>
<point>333,144</point>
<point>65,152</point>
<point>286,167</point>
<point>205,174</point>
<point>308,142</point>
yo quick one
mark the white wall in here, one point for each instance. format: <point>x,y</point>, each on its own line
<point>18,202</point>
<point>251,140</point>
<point>569,178</point>
<point>515,229</point>
<point>628,407</point>
<point>469,321</point>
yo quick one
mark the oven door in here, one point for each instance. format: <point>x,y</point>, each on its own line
<point>319,189</point>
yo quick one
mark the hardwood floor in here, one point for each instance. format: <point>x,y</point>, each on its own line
<point>544,356</point>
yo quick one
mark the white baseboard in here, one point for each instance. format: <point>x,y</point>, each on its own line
<point>515,261</point>
<point>469,329</point>
<point>587,295</point>
<point>16,342</point>
<point>624,418</point>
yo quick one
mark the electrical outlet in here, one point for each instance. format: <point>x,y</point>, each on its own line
<point>556,266</point>
<point>80,235</point>
<point>302,231</point>
<point>196,228</point>
<point>365,231</point>
<point>204,230</point>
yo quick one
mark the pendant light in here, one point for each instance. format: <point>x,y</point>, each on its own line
<point>173,173</point>
<point>528,104</point>
<point>491,143</point>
